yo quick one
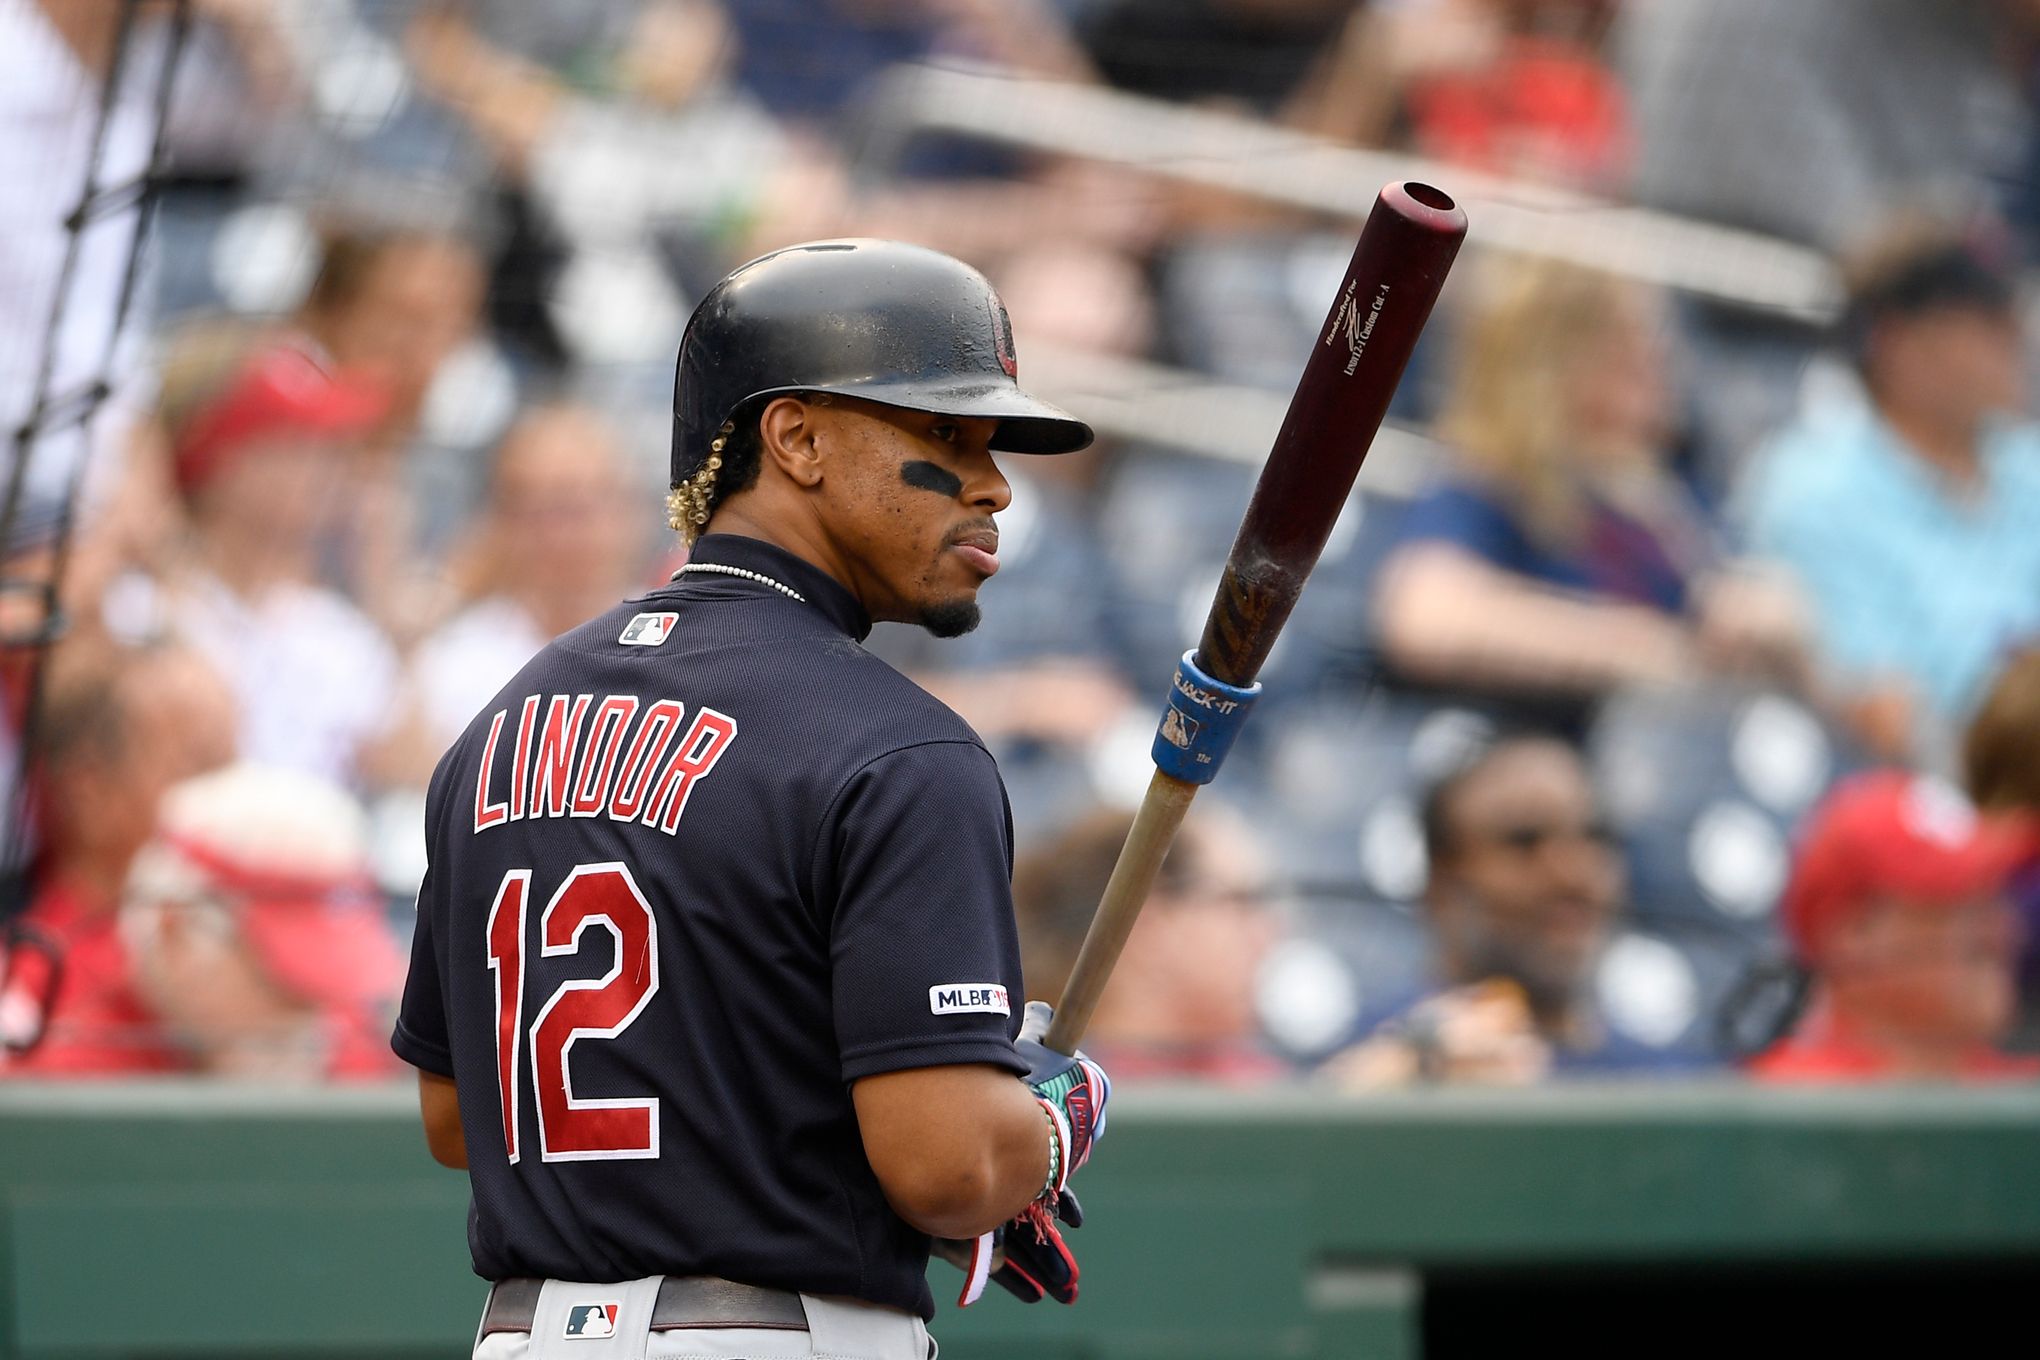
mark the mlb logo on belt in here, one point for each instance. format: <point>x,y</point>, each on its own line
<point>586,1321</point>
<point>648,630</point>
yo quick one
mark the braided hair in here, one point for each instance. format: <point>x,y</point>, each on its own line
<point>734,456</point>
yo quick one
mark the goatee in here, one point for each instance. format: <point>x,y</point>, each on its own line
<point>951,619</point>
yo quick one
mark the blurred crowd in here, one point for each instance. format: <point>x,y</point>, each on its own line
<point>1680,713</point>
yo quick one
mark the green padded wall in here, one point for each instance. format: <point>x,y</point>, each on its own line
<point>180,1219</point>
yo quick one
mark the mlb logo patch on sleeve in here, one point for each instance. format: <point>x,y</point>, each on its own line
<point>954,998</point>
<point>587,1321</point>
<point>648,630</point>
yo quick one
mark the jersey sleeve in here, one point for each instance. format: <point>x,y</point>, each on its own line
<point>421,1037</point>
<point>924,955</point>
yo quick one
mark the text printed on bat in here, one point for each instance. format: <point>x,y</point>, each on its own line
<point>1355,325</point>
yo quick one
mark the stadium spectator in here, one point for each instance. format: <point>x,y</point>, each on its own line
<point>257,469</point>
<point>1511,87</point>
<point>1250,54</point>
<point>1908,515</point>
<point>1563,558</point>
<point>1805,120</point>
<point>2001,766</point>
<point>118,729</point>
<point>813,61</point>
<point>1181,1003</point>
<point>723,135</point>
<point>1896,909</point>
<point>1522,896</point>
<point>558,542</point>
<point>392,306</point>
<point>258,937</point>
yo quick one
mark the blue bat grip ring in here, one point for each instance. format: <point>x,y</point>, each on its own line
<point>1198,727</point>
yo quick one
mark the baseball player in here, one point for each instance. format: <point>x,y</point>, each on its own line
<point>714,976</point>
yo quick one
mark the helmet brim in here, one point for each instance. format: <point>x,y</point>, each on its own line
<point>1027,424</point>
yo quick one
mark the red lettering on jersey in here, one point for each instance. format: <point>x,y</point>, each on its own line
<point>642,763</point>
<point>598,762</point>
<point>506,960</point>
<point>488,814</point>
<point>571,1129</point>
<point>553,778</point>
<point>696,755</point>
<point>520,773</point>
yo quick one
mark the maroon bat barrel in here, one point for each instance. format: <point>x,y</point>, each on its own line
<point>1407,245</point>
<point>1405,249</point>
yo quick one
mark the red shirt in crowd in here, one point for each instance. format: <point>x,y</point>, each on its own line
<point>97,1026</point>
<point>1824,1053</point>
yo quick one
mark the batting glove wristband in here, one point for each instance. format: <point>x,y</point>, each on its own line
<point>1073,1091</point>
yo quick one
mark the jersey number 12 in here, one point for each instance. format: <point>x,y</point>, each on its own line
<point>572,1128</point>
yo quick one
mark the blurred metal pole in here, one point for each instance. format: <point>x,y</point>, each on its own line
<point>1275,164</point>
<point>1193,413</point>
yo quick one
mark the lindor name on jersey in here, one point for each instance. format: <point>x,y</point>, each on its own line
<point>617,757</point>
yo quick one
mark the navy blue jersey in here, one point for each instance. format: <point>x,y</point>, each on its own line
<point>700,866</point>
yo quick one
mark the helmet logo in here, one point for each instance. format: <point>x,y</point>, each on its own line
<point>1002,341</point>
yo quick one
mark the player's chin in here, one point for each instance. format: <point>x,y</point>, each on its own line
<point>951,617</point>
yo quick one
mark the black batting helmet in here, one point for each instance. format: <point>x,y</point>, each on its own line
<point>883,320</point>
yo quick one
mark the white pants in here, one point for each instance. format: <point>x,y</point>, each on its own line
<point>838,1329</point>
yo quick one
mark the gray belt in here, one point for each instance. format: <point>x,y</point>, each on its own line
<point>685,1301</point>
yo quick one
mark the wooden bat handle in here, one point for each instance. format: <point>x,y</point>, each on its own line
<point>1140,859</point>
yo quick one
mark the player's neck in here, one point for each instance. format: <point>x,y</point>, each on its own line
<point>802,538</point>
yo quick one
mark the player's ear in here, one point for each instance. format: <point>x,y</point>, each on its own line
<point>786,436</point>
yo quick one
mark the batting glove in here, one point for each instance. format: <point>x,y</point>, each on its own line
<point>1038,1261</point>
<point>1035,1261</point>
<point>1026,1257</point>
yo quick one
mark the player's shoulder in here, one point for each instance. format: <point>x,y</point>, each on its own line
<point>896,710</point>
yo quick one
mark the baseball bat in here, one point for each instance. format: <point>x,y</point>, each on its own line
<point>1398,267</point>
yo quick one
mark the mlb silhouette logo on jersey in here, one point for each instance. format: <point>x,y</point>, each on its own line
<point>586,1321</point>
<point>648,630</point>
<point>953,998</point>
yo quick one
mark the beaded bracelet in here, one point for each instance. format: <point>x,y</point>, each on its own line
<point>1058,1142</point>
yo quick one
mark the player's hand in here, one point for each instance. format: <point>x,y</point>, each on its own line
<point>1076,1086</point>
<point>1038,1262</point>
